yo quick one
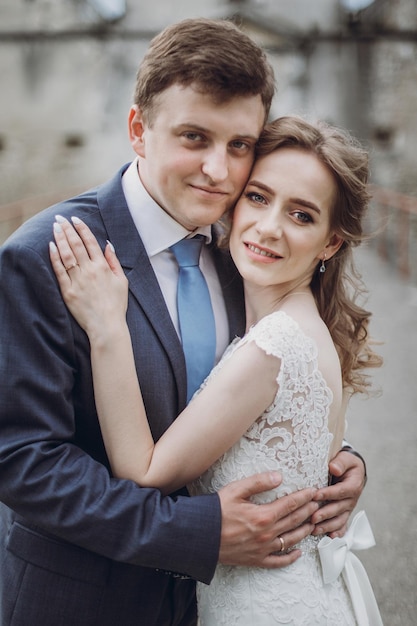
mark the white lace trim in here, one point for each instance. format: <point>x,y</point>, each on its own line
<point>291,436</point>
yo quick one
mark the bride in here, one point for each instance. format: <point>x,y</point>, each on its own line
<point>277,399</point>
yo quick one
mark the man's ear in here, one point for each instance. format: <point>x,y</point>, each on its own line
<point>136,130</point>
<point>332,247</point>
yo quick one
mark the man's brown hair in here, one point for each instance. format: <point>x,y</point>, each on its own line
<point>214,56</point>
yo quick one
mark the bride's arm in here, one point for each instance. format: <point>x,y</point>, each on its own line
<point>96,294</point>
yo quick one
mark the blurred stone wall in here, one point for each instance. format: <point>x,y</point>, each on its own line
<point>67,76</point>
<point>392,88</point>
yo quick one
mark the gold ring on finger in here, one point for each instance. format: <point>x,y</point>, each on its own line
<point>282,544</point>
<point>71,267</point>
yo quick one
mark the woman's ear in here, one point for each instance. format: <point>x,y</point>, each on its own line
<point>331,248</point>
<point>136,130</point>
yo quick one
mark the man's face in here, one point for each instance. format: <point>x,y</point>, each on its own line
<point>196,155</point>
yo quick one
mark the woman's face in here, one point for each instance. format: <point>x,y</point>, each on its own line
<point>281,223</point>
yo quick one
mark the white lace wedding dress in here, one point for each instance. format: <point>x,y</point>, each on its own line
<point>291,436</point>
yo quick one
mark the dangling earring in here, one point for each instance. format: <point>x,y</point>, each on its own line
<point>322,266</point>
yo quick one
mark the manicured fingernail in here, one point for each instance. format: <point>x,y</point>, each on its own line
<point>275,478</point>
<point>75,220</point>
<point>57,228</point>
<point>111,245</point>
<point>60,219</point>
<point>52,247</point>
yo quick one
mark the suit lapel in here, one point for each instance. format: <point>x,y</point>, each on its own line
<point>143,283</point>
<point>144,286</point>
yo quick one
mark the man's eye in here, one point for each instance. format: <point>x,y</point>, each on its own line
<point>241,146</point>
<point>193,136</point>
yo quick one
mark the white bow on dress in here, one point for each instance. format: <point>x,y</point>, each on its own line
<point>337,558</point>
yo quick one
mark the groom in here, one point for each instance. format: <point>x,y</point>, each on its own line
<point>79,547</point>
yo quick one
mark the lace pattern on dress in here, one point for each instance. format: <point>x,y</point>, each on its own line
<point>291,436</point>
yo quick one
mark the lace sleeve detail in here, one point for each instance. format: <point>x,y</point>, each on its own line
<point>292,434</point>
<point>295,426</point>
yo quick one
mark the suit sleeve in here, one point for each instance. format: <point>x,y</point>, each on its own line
<point>47,476</point>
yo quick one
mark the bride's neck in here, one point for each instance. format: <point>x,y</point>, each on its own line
<point>262,301</point>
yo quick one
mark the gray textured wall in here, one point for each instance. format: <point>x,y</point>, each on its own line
<point>67,78</point>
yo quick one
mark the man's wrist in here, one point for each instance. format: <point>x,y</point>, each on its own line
<point>348,448</point>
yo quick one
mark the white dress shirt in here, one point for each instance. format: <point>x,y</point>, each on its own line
<point>158,231</point>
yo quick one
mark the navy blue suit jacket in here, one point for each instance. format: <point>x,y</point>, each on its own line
<point>79,547</point>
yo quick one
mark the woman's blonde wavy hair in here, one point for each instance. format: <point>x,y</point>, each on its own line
<point>336,291</point>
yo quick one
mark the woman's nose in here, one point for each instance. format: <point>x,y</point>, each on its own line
<point>270,224</point>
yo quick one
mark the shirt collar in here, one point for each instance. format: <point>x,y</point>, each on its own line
<point>158,230</point>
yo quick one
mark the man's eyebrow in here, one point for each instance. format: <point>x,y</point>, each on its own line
<point>203,129</point>
<point>192,125</point>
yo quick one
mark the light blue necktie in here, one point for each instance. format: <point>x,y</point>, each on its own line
<point>195,313</point>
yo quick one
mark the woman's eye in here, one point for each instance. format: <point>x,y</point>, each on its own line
<point>302,216</point>
<point>255,197</point>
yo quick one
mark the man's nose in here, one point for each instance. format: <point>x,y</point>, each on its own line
<point>216,165</point>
